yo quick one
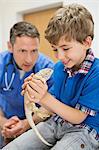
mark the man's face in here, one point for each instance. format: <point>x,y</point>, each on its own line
<point>25,52</point>
<point>70,53</point>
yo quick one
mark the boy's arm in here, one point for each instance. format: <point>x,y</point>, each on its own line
<point>68,113</point>
<point>37,93</point>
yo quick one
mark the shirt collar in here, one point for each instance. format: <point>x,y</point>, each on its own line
<point>85,66</point>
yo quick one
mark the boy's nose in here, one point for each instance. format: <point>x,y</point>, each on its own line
<point>61,55</point>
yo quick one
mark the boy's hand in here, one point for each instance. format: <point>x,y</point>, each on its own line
<point>26,81</point>
<point>35,86</point>
<point>36,89</point>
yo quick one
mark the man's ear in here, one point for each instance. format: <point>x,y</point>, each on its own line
<point>10,47</point>
<point>87,42</point>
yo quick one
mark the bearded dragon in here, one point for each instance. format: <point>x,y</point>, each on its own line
<point>30,108</point>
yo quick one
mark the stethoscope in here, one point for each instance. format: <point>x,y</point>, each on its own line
<point>8,85</point>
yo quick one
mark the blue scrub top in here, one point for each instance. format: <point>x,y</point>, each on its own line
<point>11,101</point>
<point>80,90</point>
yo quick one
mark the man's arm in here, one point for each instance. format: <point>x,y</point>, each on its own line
<point>2,119</point>
<point>12,129</point>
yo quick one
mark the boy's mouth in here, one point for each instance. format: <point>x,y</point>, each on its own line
<point>65,62</point>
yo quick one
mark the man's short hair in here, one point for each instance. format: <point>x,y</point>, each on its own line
<point>23,29</point>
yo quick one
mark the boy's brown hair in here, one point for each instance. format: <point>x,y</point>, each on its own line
<point>73,21</point>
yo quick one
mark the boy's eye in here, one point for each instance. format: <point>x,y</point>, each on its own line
<point>55,50</point>
<point>65,49</point>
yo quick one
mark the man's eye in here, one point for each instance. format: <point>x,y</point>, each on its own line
<point>34,50</point>
<point>22,50</point>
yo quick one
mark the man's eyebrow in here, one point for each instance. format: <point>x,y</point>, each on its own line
<point>22,49</point>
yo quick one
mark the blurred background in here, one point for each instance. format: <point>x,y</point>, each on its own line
<point>38,12</point>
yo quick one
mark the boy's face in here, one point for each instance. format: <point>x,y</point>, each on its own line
<point>25,52</point>
<point>71,53</point>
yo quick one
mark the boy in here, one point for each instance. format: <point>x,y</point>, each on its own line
<point>74,97</point>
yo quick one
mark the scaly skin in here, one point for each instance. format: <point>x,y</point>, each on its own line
<point>30,108</point>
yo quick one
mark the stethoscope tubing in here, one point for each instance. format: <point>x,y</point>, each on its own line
<point>8,85</point>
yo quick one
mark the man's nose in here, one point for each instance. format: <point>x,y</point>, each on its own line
<point>29,58</point>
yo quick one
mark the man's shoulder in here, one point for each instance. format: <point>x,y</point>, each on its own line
<point>44,61</point>
<point>5,52</point>
<point>4,59</point>
<point>44,57</point>
<point>4,56</point>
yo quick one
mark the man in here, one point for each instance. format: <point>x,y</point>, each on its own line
<point>19,62</point>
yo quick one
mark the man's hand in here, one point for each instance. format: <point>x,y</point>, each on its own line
<point>14,127</point>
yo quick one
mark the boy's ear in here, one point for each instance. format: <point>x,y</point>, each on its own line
<point>88,41</point>
<point>10,47</point>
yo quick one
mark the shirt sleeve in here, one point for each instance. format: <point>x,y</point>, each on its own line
<point>89,98</point>
<point>1,68</point>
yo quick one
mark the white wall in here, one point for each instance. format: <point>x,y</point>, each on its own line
<point>1,26</point>
<point>0,33</point>
<point>11,11</point>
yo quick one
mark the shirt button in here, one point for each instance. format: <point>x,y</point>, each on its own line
<point>82,146</point>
